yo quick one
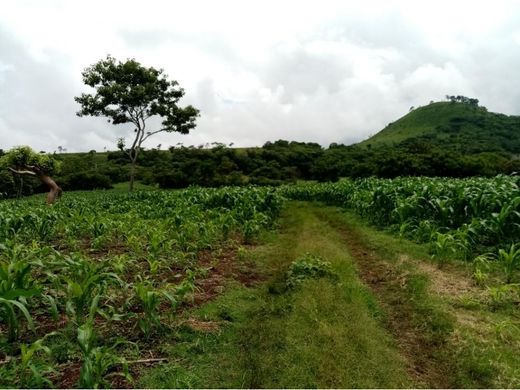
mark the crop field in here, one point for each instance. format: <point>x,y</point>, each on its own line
<point>97,273</point>
<point>409,282</point>
<point>475,220</point>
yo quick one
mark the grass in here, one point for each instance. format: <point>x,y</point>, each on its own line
<point>327,332</point>
<point>473,341</point>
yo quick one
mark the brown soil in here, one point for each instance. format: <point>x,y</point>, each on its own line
<point>69,375</point>
<point>385,280</point>
<point>220,270</point>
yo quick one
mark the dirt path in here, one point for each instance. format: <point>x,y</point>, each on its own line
<point>387,280</point>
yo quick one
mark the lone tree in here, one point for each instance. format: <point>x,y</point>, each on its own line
<point>127,92</point>
<point>23,161</point>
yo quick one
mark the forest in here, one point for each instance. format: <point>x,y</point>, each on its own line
<point>274,163</point>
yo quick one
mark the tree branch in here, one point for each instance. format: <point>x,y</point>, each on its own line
<point>30,173</point>
<point>153,132</point>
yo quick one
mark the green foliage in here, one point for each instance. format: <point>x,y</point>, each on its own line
<point>149,300</point>
<point>308,266</point>
<point>510,261</point>
<point>127,92</point>
<point>125,88</point>
<point>460,218</point>
<point>16,286</point>
<point>97,360</point>
<point>31,370</point>
<point>116,263</point>
<point>467,127</point>
<point>85,181</point>
<point>22,156</point>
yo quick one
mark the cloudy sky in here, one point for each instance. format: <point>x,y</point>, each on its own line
<point>321,71</point>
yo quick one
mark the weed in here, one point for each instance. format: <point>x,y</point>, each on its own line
<point>308,266</point>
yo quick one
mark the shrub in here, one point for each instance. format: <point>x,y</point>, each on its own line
<point>86,181</point>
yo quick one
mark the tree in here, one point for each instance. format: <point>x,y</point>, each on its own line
<point>23,161</point>
<point>127,92</point>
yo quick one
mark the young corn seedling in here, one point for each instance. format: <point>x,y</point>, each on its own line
<point>510,261</point>
<point>87,280</point>
<point>443,248</point>
<point>481,266</point>
<point>32,371</point>
<point>16,286</point>
<point>149,299</point>
<point>97,360</point>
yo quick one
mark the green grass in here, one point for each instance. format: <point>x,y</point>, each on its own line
<point>474,342</point>
<point>328,332</point>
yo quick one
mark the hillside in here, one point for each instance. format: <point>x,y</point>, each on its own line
<point>460,127</point>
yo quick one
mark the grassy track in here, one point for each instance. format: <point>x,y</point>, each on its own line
<point>328,332</point>
<point>387,318</point>
<point>452,332</point>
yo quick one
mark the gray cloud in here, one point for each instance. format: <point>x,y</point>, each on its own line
<point>339,79</point>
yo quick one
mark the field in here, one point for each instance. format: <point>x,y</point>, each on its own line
<point>100,272</point>
<point>411,282</point>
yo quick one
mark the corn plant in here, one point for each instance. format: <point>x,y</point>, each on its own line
<point>481,268</point>
<point>149,299</point>
<point>443,247</point>
<point>461,216</point>
<point>97,360</point>
<point>509,261</point>
<point>85,281</point>
<point>16,286</point>
<point>31,371</point>
<point>503,295</point>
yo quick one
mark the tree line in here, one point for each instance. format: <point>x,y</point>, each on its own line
<point>274,163</point>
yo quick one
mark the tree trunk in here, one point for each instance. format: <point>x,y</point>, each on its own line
<point>55,190</point>
<point>132,176</point>
<point>19,191</point>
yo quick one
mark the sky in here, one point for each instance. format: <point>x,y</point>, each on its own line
<point>313,71</point>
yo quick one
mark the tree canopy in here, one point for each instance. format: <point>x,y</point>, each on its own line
<point>23,161</point>
<point>128,92</point>
<point>22,157</point>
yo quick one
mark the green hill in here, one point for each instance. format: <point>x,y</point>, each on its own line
<point>461,127</point>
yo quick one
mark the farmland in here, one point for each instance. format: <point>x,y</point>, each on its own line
<point>410,282</point>
<point>112,267</point>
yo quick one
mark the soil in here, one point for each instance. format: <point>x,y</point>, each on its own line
<point>220,270</point>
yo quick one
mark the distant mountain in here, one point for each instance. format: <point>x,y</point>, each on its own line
<point>460,127</point>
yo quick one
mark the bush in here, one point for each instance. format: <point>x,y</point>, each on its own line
<point>176,179</point>
<point>85,181</point>
<point>309,266</point>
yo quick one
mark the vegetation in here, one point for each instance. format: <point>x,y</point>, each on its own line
<point>325,332</point>
<point>197,288</point>
<point>100,276</point>
<point>127,92</point>
<point>464,219</point>
<point>457,125</point>
<point>23,161</point>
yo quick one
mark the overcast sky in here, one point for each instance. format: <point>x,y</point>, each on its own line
<point>318,71</point>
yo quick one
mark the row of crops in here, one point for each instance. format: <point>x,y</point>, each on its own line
<point>474,219</point>
<point>88,283</point>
